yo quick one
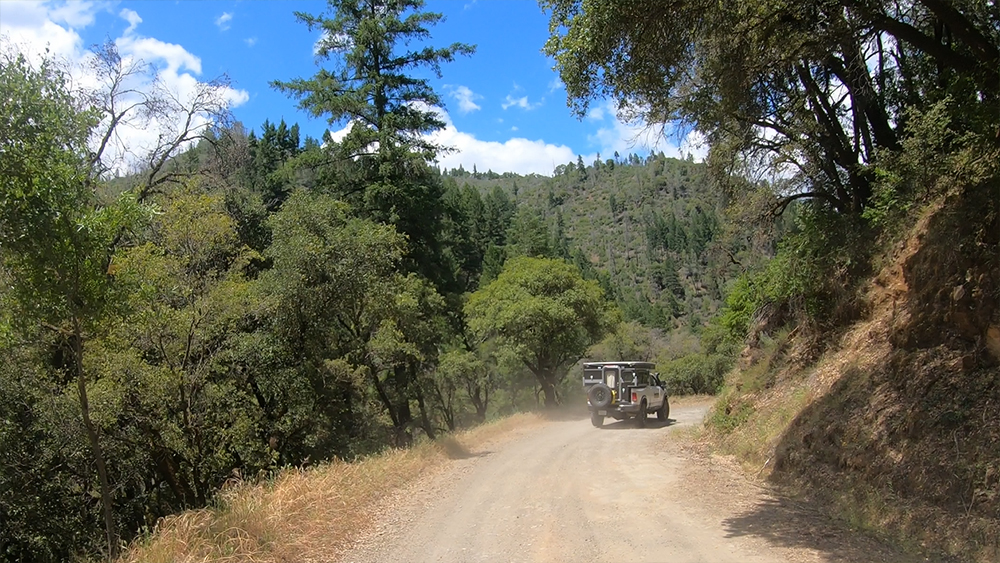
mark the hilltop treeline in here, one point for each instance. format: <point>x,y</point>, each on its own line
<point>652,230</point>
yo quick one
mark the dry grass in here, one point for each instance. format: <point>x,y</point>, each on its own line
<point>883,429</point>
<point>305,515</point>
<point>753,442</point>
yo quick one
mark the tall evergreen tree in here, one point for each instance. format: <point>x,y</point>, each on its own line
<point>276,145</point>
<point>389,112</point>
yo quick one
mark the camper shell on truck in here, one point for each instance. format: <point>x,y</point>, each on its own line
<point>624,389</point>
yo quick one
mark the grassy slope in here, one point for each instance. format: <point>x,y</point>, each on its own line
<point>895,425</point>
<point>304,515</point>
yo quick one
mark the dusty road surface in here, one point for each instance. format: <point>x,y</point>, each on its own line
<point>568,492</point>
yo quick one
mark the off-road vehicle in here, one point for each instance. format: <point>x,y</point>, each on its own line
<point>623,390</point>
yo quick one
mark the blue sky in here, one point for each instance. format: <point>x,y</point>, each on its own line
<point>505,107</point>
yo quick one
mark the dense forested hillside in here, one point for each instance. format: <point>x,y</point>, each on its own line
<point>651,229</point>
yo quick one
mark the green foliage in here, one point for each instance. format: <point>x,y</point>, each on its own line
<point>164,363</point>
<point>373,88</point>
<point>543,312</point>
<point>626,341</point>
<point>472,373</point>
<point>44,515</point>
<point>267,173</point>
<point>696,373</point>
<point>57,237</point>
<point>937,155</point>
<point>818,267</point>
<point>663,254</point>
<point>299,302</point>
<point>730,414</point>
<point>529,236</point>
<point>779,84</point>
<point>58,240</point>
<point>475,232</point>
<point>380,166</point>
<point>741,303</point>
<point>813,276</point>
<point>735,404</point>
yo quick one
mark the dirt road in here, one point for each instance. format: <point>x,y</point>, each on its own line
<point>568,492</point>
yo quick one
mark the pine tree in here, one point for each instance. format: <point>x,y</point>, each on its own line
<point>389,112</point>
<point>389,109</point>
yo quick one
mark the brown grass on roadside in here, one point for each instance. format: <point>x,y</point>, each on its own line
<point>891,429</point>
<point>304,515</point>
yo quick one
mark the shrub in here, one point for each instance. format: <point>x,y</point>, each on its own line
<point>696,373</point>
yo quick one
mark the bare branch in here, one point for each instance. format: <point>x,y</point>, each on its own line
<point>783,203</point>
<point>131,96</point>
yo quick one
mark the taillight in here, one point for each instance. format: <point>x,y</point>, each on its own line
<point>635,397</point>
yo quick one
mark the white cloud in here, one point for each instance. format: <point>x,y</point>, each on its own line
<point>626,135</point>
<point>75,14</point>
<point>555,84</point>
<point>465,97</point>
<point>222,22</point>
<point>334,43</point>
<point>250,41</point>
<point>33,27</point>
<point>132,18</point>
<point>521,102</point>
<point>175,57</point>
<point>596,113</point>
<point>517,154</point>
<point>520,155</point>
<point>526,156</point>
<point>338,135</point>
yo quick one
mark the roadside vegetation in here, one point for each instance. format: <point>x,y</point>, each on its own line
<point>240,303</point>
<point>189,338</point>
<point>868,344</point>
<point>307,514</point>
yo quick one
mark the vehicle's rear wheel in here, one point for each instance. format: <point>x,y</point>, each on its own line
<point>640,417</point>
<point>596,419</point>
<point>664,412</point>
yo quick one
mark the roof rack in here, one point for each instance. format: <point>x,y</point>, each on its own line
<point>621,363</point>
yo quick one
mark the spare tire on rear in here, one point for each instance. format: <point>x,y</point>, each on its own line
<point>600,396</point>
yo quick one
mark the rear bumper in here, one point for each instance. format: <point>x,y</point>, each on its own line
<point>627,408</point>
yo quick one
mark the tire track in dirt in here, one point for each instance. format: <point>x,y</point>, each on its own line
<point>568,492</point>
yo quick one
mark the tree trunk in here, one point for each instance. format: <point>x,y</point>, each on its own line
<point>475,396</point>
<point>95,444</point>
<point>549,388</point>
<point>404,437</point>
<point>446,406</point>
<point>380,389</point>
<point>425,421</point>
